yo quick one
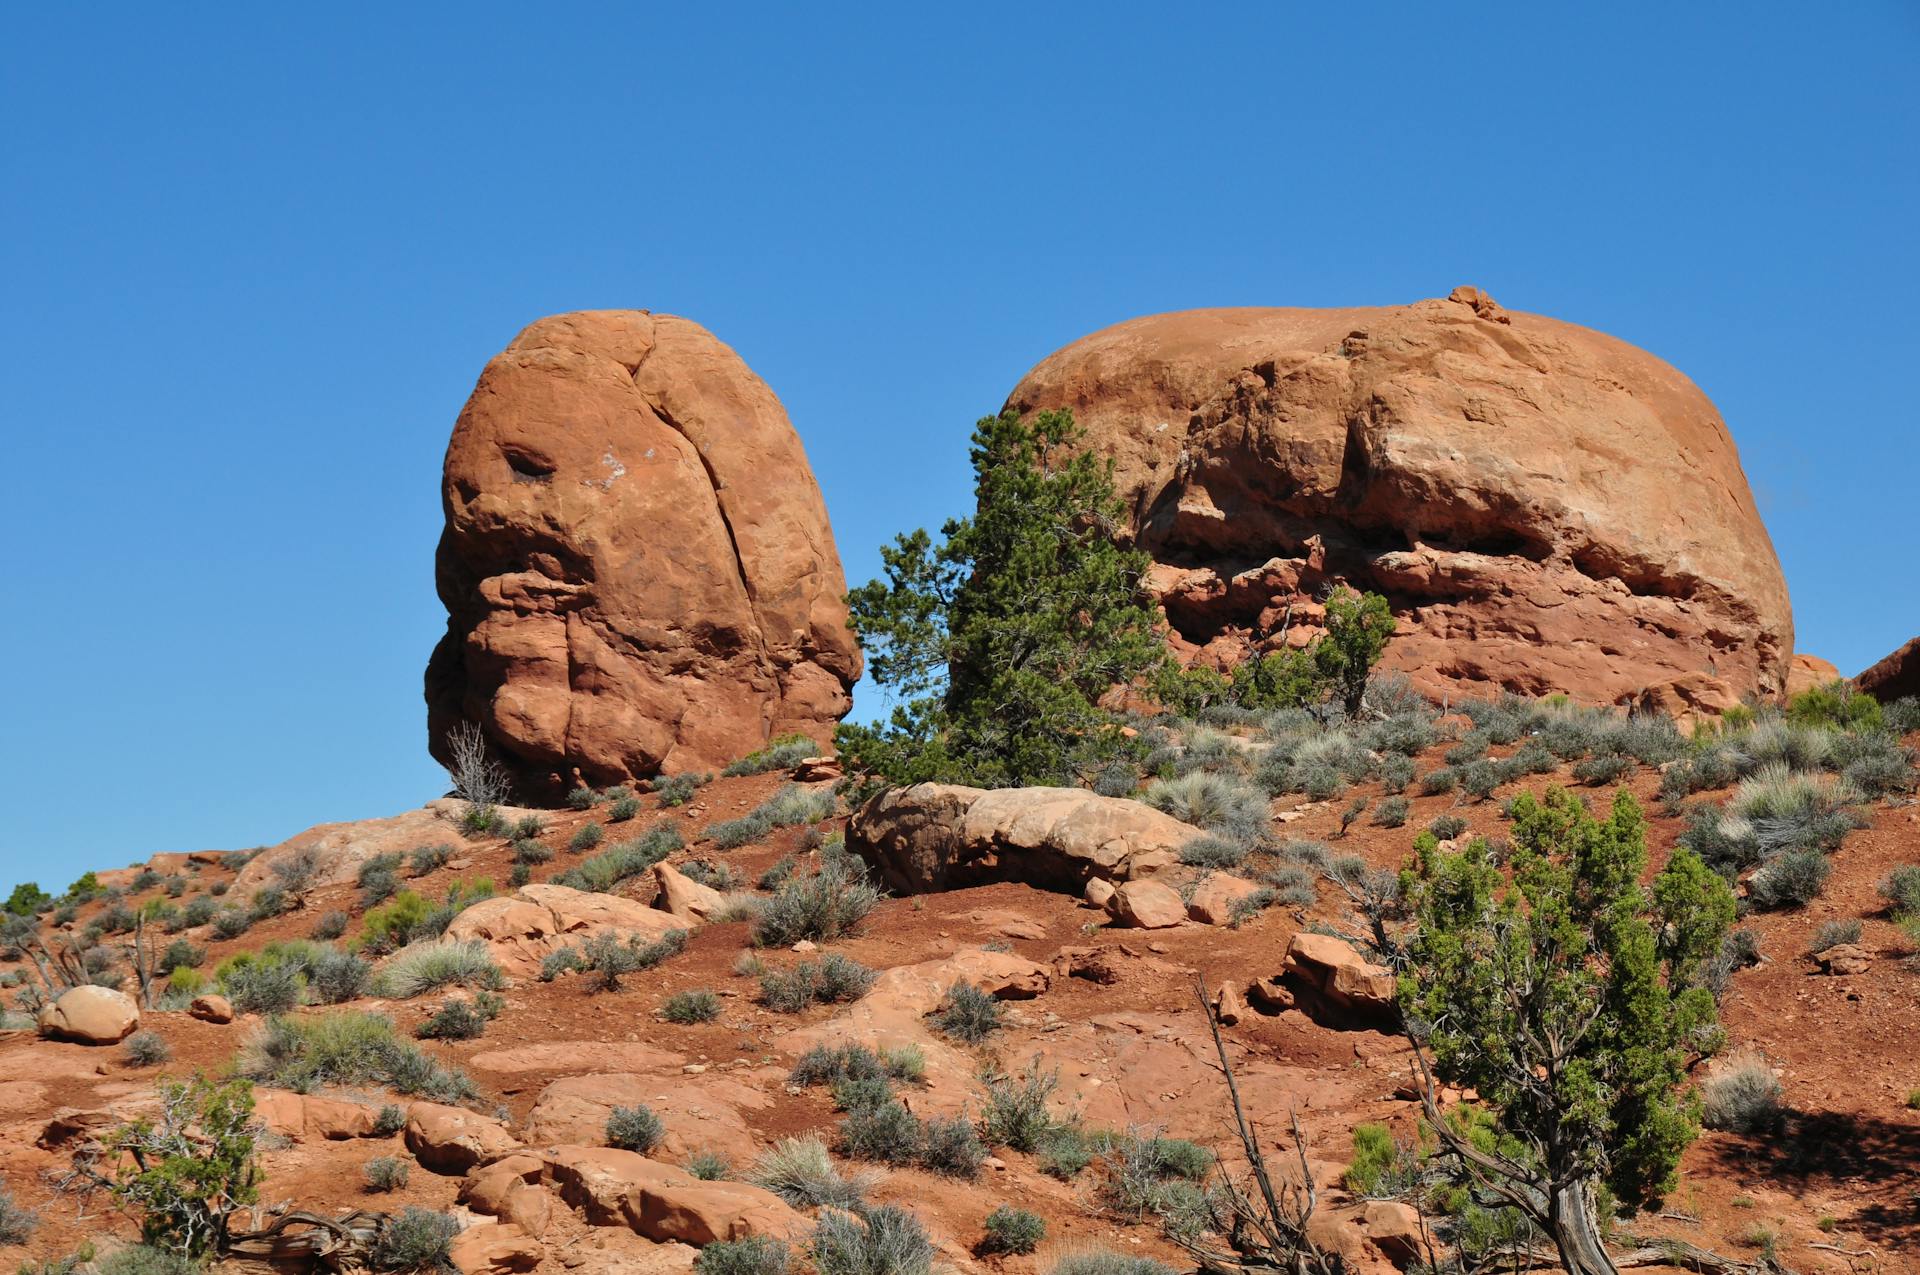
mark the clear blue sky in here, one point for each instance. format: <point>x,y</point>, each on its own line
<point>252,258</point>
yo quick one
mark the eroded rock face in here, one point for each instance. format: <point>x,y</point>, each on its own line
<point>929,837</point>
<point>1895,677</point>
<point>637,566</point>
<point>1547,508</point>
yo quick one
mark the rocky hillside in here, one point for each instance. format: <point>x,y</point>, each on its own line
<point>604,1038</point>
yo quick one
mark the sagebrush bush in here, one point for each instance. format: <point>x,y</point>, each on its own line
<point>822,906</point>
<point>1447,827</point>
<point>634,1128</point>
<point>829,1064</point>
<point>386,1173</point>
<point>416,1239</point>
<point>882,1131</point>
<point>231,923</point>
<point>427,967</point>
<point>266,987</point>
<point>834,978</point>
<point>881,1241</point>
<point>1396,773</point>
<point>709,1166</point>
<point>17,1223</point>
<point>1102,1261</point>
<point>529,853</point>
<point>333,977</point>
<point>346,1047</point>
<point>425,859</point>
<point>755,1255</point>
<point>136,1259</point>
<point>967,1014</point>
<point>146,1049</point>
<point>783,753</point>
<point>1392,812</point>
<point>586,837</point>
<point>1901,890</point>
<point>389,1120</point>
<point>1220,854</point>
<point>1016,1108</point>
<point>700,1006</point>
<point>1792,880</point>
<point>800,1171</point>
<point>582,798</point>
<point>623,810</point>
<point>1600,769</point>
<point>679,789</point>
<point>601,872</point>
<point>1218,803</point>
<point>1833,934</point>
<point>609,959</point>
<point>462,1019</point>
<point>1744,1096</point>
<point>951,1147</point>
<point>1011,1230</point>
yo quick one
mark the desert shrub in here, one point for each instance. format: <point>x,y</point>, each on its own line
<point>951,1147</point>
<point>1391,812</point>
<point>1901,716</point>
<point>1011,1230</point>
<point>586,837</point>
<point>634,1128</point>
<point>623,809</point>
<point>1158,1177</point>
<point>331,925</point>
<point>799,1171</point>
<point>880,1241</point>
<point>131,1259</point>
<point>389,1120</point>
<point>609,959</point>
<point>967,1014</point>
<point>1744,1097</point>
<point>1471,748</point>
<point>830,1064</point>
<point>1791,810</point>
<point>1383,1167</point>
<point>1600,769</point>
<point>566,960</point>
<point>386,1173</point>
<point>1435,782</point>
<point>1116,779</point>
<point>17,1222</point>
<point>1878,774</point>
<point>834,978</point>
<point>1833,934</point>
<point>708,1166</point>
<point>582,798</point>
<point>1901,890</point>
<point>823,906</point>
<point>390,925</point>
<point>187,1169</point>
<point>1102,1261</point>
<point>1447,828</point>
<point>427,967</point>
<point>1218,803</point>
<point>626,859</point>
<point>117,919</point>
<point>1837,704</point>
<point>526,828</point>
<point>1480,779</point>
<point>755,1255</point>
<point>1016,1108</point>
<point>528,853</point>
<point>691,1007</point>
<point>679,789</point>
<point>462,1019</point>
<point>718,876</point>
<point>882,1131</point>
<point>783,753</point>
<point>198,911</point>
<point>1782,744</point>
<point>518,875</point>
<point>266,987</point>
<point>425,859</point>
<point>1792,880</point>
<point>184,981</point>
<point>1248,906</point>
<point>334,977</point>
<point>1218,853</point>
<point>346,1047</point>
<point>1396,773</point>
<point>904,1063</point>
<point>416,1239</point>
<point>231,923</point>
<point>146,1049</point>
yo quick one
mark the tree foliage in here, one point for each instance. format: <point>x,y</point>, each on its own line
<point>1568,996</point>
<point>188,1169</point>
<point>1002,638</point>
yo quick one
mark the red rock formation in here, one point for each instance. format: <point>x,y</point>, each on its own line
<point>637,566</point>
<point>1895,677</point>
<point>1547,508</point>
<point>1810,671</point>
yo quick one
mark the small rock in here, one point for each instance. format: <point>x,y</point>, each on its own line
<point>1099,892</point>
<point>1227,1005</point>
<point>1147,905</point>
<point>1845,959</point>
<point>804,946</point>
<point>211,1007</point>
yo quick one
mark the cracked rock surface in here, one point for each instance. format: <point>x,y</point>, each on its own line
<point>1547,508</point>
<point>637,567</point>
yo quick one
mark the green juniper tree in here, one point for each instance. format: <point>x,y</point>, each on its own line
<point>1358,626</point>
<point>1002,639</point>
<point>1568,996</point>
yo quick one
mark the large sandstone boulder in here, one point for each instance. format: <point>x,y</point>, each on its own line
<point>930,837</point>
<point>90,1016</point>
<point>338,849</point>
<point>612,1188</point>
<point>1895,677</point>
<point>637,566</point>
<point>1546,508</point>
<point>453,1140</point>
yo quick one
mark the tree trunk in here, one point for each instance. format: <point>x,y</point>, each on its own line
<point>1576,1234</point>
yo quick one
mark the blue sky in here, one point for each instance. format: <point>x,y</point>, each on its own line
<point>252,259</point>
